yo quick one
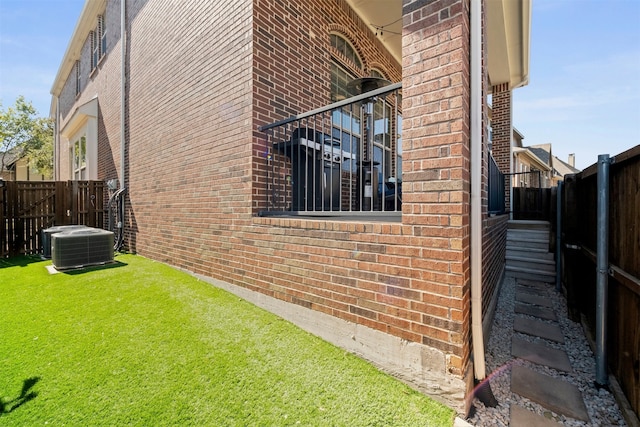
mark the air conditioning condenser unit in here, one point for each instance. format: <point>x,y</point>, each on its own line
<point>81,247</point>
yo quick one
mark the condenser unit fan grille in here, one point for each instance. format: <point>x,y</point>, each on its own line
<point>81,247</point>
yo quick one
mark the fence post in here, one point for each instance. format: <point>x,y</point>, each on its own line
<point>60,206</point>
<point>602,284</point>
<point>14,220</point>
<point>559,237</point>
<point>3,219</point>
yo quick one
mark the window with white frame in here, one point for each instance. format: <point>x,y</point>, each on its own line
<point>94,50</point>
<point>346,121</point>
<point>383,150</point>
<point>81,135</point>
<point>78,157</point>
<point>98,42</point>
<point>102,35</point>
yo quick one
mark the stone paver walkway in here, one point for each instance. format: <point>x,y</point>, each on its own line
<point>555,394</point>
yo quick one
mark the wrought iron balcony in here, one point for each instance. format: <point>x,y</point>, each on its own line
<point>341,159</point>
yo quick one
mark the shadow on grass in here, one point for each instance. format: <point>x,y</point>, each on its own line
<point>25,396</point>
<point>20,261</point>
<point>82,270</point>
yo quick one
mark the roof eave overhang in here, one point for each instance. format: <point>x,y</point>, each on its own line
<point>79,116</point>
<point>508,41</point>
<point>536,161</point>
<point>87,22</point>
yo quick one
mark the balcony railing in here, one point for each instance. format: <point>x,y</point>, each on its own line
<point>496,189</point>
<point>341,159</point>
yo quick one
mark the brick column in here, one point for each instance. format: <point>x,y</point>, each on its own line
<point>436,166</point>
<point>501,124</point>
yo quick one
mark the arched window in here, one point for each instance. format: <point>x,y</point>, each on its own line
<point>344,47</point>
<point>342,72</point>
<point>376,73</point>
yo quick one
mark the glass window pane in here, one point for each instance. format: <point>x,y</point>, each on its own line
<point>83,151</point>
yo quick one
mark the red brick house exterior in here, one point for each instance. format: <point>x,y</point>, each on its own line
<point>200,78</point>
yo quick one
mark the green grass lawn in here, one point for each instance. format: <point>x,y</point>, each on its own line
<point>140,343</point>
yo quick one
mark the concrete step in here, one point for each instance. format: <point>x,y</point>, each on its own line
<point>528,225</point>
<point>529,244</point>
<point>527,237</point>
<point>529,234</point>
<point>532,264</point>
<point>541,354</point>
<point>531,274</point>
<point>555,394</point>
<point>531,253</point>
<point>532,259</point>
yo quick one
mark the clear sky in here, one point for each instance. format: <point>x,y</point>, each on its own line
<point>583,95</point>
<point>584,82</point>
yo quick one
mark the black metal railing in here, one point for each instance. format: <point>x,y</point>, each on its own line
<point>341,159</point>
<point>530,196</point>
<point>496,189</point>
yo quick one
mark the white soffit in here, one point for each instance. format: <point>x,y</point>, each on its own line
<point>508,41</point>
<point>86,22</point>
<point>385,16</point>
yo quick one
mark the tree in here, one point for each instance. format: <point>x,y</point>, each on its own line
<point>24,134</point>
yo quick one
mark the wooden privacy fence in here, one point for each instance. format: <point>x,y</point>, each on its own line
<point>579,274</point>
<point>27,207</point>
<point>532,203</point>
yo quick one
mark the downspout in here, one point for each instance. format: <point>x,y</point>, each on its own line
<point>56,142</point>
<point>123,48</point>
<point>123,80</point>
<point>476,203</point>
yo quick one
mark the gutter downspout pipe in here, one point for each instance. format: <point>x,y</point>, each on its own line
<point>123,48</point>
<point>123,80</point>
<point>602,282</point>
<point>56,142</point>
<point>483,391</point>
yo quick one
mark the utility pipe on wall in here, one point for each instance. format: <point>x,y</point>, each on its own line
<point>123,79</point>
<point>602,283</point>
<point>56,142</point>
<point>476,200</point>
<point>120,194</point>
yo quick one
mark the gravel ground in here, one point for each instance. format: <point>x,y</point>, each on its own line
<point>601,405</point>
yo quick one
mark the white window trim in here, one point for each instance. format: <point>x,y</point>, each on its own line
<point>102,37</point>
<point>83,122</point>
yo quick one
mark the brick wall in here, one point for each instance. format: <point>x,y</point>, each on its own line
<point>494,229</point>
<point>204,76</point>
<point>502,131</point>
<point>501,125</point>
<point>436,157</point>
<point>103,82</point>
<point>292,58</point>
<point>493,258</point>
